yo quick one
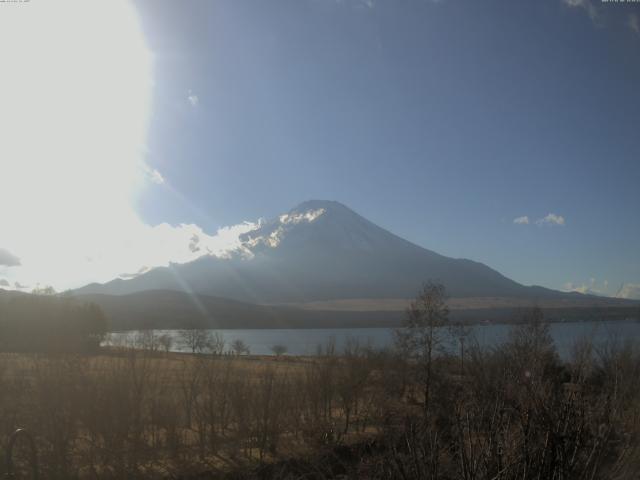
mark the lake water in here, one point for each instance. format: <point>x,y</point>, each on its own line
<point>306,341</point>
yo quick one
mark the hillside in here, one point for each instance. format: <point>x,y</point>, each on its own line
<point>165,309</point>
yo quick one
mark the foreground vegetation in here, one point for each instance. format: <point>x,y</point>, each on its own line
<point>417,411</point>
<point>514,412</point>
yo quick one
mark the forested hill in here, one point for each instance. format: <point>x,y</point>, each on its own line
<point>49,323</point>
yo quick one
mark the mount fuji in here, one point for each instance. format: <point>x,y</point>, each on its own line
<point>321,251</point>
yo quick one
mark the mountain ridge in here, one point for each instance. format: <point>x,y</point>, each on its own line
<point>323,250</point>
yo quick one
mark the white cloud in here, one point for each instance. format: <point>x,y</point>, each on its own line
<point>74,259</point>
<point>590,288</point>
<point>634,23</point>
<point>140,271</point>
<point>601,16</point>
<point>551,219</point>
<point>152,174</point>
<point>524,220</point>
<point>584,289</point>
<point>193,99</point>
<point>156,177</point>
<point>587,5</point>
<point>164,244</point>
<point>629,291</point>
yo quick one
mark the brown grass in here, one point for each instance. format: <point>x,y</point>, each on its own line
<point>512,412</point>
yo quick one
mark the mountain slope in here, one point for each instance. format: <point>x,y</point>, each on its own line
<point>322,250</point>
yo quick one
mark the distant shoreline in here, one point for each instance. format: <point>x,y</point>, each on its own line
<point>469,317</point>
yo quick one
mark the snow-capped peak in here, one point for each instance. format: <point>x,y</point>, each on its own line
<point>308,216</point>
<point>272,233</point>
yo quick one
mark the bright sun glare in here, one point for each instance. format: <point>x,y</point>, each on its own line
<point>75,103</point>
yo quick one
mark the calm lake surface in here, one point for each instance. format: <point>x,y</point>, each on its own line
<point>306,341</point>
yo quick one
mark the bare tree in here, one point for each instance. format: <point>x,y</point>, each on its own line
<point>196,340</point>
<point>43,290</point>
<point>530,348</point>
<point>279,350</point>
<point>147,340</point>
<point>460,333</point>
<point>351,378</point>
<point>422,334</point>
<point>165,341</point>
<point>215,343</point>
<point>239,347</point>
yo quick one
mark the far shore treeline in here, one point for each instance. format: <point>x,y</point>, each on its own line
<point>48,323</point>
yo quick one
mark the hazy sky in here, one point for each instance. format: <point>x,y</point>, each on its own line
<point>505,132</point>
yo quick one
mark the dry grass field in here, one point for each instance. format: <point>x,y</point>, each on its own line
<point>512,412</point>
<point>417,411</point>
<point>131,413</point>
